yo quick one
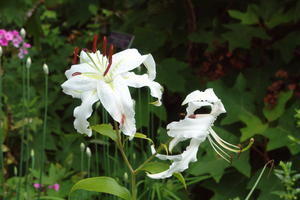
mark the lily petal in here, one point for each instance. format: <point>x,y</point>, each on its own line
<point>207,95</point>
<point>84,111</point>
<point>189,155</point>
<point>116,99</point>
<point>150,65</point>
<point>139,81</point>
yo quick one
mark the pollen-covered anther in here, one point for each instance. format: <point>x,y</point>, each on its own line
<point>192,116</point>
<point>111,49</point>
<point>76,73</point>
<point>95,43</point>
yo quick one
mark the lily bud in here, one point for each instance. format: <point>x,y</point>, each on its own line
<point>28,62</point>
<point>15,171</point>
<point>45,67</point>
<point>0,51</point>
<point>23,33</point>
<point>32,152</point>
<point>125,176</point>
<point>88,152</point>
<point>82,146</point>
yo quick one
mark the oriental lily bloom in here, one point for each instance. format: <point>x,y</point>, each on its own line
<point>196,127</point>
<point>107,79</point>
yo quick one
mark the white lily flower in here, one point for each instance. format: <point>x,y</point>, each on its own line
<point>107,79</point>
<point>196,127</point>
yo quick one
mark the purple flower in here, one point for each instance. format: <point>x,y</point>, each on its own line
<point>56,187</point>
<point>2,32</point>
<point>16,42</point>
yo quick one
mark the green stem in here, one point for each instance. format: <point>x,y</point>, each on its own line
<point>151,157</point>
<point>89,166</point>
<point>23,126</point>
<point>44,134</point>
<point>27,133</point>
<point>32,167</point>
<point>1,153</point>
<point>121,148</point>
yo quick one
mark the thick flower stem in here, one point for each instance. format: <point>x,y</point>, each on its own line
<point>121,148</point>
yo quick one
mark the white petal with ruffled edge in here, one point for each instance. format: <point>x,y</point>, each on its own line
<point>189,155</point>
<point>139,81</point>
<point>116,99</point>
<point>84,111</point>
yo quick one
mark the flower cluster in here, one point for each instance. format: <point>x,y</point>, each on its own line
<point>196,127</point>
<point>55,186</point>
<point>15,38</point>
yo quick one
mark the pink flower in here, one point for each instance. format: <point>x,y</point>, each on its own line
<point>2,32</point>
<point>15,33</point>
<point>26,45</point>
<point>9,35</point>
<point>36,185</point>
<point>3,42</point>
<point>16,42</point>
<point>56,187</point>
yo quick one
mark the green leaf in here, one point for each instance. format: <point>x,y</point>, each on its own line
<point>237,100</point>
<point>168,74</point>
<point>297,12</point>
<point>147,40</point>
<point>279,17</point>
<point>241,35</point>
<point>106,130</point>
<point>274,114</point>
<point>93,9</point>
<point>277,138</point>
<point>155,167</point>
<point>48,197</point>
<point>104,185</point>
<point>254,126</point>
<point>287,45</point>
<point>248,18</point>
<point>141,136</point>
<point>180,177</point>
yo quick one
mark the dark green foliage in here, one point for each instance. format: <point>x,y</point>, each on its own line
<point>247,51</point>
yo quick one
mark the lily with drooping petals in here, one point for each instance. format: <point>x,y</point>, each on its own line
<point>196,127</point>
<point>107,79</point>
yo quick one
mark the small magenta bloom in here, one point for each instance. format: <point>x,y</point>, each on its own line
<point>55,187</point>
<point>37,185</point>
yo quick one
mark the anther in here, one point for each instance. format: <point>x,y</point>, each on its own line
<point>104,46</point>
<point>75,55</point>
<point>231,159</point>
<point>111,49</point>
<point>76,73</point>
<point>95,43</point>
<point>192,116</point>
<point>241,149</point>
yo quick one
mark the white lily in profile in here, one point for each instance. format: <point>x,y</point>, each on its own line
<point>107,79</point>
<point>196,127</point>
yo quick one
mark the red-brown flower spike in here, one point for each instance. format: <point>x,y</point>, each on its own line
<point>111,49</point>
<point>75,55</point>
<point>104,46</point>
<point>95,43</point>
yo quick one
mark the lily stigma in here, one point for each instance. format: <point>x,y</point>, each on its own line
<point>103,78</point>
<point>196,127</point>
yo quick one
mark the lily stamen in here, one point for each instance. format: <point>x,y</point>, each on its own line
<point>76,73</point>
<point>95,43</point>
<point>111,49</point>
<point>75,55</point>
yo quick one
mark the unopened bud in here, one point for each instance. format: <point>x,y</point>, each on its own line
<point>125,176</point>
<point>0,51</point>
<point>32,152</point>
<point>82,146</point>
<point>98,104</point>
<point>88,152</point>
<point>15,170</point>
<point>45,67</point>
<point>28,62</point>
<point>23,33</point>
